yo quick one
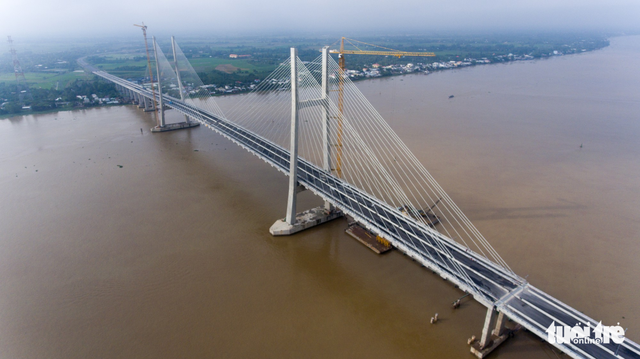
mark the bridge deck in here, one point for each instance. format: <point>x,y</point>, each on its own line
<point>490,284</point>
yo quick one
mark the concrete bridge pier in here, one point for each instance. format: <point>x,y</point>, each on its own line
<point>123,92</point>
<point>148,105</point>
<point>296,222</point>
<point>493,334</point>
<point>140,99</point>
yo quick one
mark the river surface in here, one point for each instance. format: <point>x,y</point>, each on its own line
<point>117,244</point>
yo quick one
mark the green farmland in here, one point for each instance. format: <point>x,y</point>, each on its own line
<point>46,80</point>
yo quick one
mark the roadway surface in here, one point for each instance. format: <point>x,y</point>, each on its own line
<point>490,284</point>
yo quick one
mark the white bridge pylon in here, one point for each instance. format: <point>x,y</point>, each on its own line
<point>177,79</point>
<point>295,222</point>
<point>298,107</point>
<point>351,142</point>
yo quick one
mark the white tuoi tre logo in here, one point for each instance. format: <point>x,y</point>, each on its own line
<point>582,335</point>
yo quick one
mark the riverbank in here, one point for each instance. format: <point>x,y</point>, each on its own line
<point>57,110</point>
<point>376,70</point>
<point>368,71</point>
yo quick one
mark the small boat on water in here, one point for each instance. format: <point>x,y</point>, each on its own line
<point>428,216</point>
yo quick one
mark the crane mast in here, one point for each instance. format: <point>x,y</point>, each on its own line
<point>341,80</point>
<point>153,89</point>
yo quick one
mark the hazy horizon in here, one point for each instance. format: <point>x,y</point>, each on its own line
<point>38,19</point>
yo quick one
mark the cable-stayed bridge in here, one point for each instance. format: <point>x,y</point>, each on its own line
<point>309,121</point>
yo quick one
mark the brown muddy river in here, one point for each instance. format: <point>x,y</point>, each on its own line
<point>169,255</point>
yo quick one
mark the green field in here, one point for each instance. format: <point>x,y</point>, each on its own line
<point>46,80</point>
<point>126,69</point>
<point>132,68</point>
<point>210,63</point>
<point>113,57</point>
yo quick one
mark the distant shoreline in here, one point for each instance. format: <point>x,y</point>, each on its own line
<point>55,110</point>
<point>506,61</point>
<point>422,69</point>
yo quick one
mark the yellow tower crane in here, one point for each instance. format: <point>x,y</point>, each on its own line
<point>341,63</point>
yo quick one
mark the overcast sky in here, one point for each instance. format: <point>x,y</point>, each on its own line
<point>90,18</point>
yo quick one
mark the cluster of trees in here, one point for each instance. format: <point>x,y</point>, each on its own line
<point>45,99</point>
<point>240,77</point>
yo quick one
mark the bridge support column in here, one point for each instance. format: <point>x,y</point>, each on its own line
<point>326,138</point>
<point>493,334</point>
<point>499,329</point>
<point>140,101</point>
<point>489,320</point>
<point>293,147</point>
<point>160,103</point>
<point>296,222</point>
<point>148,105</point>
